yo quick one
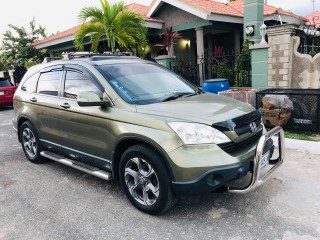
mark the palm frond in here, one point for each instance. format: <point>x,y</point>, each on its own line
<point>93,13</point>
<point>95,38</point>
<point>90,29</point>
<point>115,9</point>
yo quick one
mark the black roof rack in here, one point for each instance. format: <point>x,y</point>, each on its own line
<point>94,56</point>
<point>49,59</point>
<point>91,56</point>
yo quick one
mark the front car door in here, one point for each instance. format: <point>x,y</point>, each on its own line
<point>84,131</point>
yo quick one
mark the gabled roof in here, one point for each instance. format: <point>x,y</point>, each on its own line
<point>215,7</point>
<point>314,18</point>
<point>134,7</point>
<point>200,8</point>
<point>143,10</point>
<point>208,7</point>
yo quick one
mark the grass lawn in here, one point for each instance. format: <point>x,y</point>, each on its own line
<point>302,135</point>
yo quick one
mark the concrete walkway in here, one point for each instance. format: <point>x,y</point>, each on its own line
<point>302,146</point>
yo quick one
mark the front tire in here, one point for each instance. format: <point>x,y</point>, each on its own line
<point>145,180</point>
<point>30,143</point>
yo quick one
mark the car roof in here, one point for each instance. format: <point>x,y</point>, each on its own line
<point>92,59</point>
<point>95,60</point>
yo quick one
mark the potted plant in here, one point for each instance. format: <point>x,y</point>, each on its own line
<point>168,42</point>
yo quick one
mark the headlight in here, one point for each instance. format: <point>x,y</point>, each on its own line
<point>194,133</point>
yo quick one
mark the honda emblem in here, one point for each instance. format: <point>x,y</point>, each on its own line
<point>253,127</point>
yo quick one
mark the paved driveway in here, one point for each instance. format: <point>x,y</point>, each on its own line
<point>51,201</point>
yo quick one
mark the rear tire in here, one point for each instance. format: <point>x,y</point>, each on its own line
<point>30,143</point>
<point>145,180</point>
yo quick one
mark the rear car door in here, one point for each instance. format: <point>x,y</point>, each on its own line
<point>42,91</point>
<point>84,131</point>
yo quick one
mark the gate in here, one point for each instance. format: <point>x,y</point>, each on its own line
<point>218,66</point>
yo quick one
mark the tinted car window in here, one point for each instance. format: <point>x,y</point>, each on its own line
<point>140,83</point>
<point>49,83</point>
<point>77,82</point>
<point>31,84</point>
<point>4,82</point>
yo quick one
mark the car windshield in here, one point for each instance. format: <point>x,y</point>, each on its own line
<point>145,83</point>
<point>4,82</point>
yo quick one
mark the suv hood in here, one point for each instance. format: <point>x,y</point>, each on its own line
<point>205,108</point>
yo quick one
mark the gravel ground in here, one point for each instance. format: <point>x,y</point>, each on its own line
<point>52,201</point>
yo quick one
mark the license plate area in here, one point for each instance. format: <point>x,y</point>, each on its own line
<point>265,159</point>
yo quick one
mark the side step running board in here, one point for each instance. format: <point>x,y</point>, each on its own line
<point>80,166</point>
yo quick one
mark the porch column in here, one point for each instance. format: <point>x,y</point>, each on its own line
<point>200,52</point>
<point>51,54</point>
<point>209,53</point>
<point>237,42</point>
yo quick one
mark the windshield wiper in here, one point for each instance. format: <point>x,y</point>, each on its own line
<point>189,95</point>
<point>177,95</point>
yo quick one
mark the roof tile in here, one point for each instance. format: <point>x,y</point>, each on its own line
<point>268,10</point>
<point>314,18</point>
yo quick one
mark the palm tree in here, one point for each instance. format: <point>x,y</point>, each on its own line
<point>115,23</point>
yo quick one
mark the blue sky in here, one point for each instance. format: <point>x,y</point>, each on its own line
<point>60,15</point>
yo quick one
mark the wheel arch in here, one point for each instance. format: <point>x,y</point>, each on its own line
<point>21,120</point>
<point>126,142</point>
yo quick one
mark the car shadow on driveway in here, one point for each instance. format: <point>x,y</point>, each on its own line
<point>214,205</point>
<point>5,108</point>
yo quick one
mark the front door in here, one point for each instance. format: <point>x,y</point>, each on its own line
<point>84,131</point>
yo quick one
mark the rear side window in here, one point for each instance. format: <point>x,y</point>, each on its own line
<point>31,84</point>
<point>77,82</point>
<point>4,82</point>
<point>49,83</point>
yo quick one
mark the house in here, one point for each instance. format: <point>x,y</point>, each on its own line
<point>212,35</point>
<point>204,24</point>
<point>309,34</point>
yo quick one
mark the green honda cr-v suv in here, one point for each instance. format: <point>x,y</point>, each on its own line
<point>126,119</point>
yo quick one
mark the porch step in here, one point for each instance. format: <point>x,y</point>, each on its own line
<point>77,165</point>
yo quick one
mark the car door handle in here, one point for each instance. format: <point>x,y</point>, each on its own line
<point>65,105</point>
<point>33,99</point>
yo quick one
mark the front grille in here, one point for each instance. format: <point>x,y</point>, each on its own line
<point>242,124</point>
<point>232,146</point>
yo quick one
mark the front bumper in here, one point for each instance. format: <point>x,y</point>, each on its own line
<point>215,179</point>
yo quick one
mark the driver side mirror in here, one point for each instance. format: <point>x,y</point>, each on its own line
<point>89,99</point>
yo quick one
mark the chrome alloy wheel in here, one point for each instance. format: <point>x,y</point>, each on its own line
<point>142,181</point>
<point>29,142</point>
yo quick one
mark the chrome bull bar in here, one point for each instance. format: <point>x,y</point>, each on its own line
<point>256,179</point>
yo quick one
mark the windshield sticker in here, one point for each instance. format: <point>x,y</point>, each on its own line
<point>121,89</point>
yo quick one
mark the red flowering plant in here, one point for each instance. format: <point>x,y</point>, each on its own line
<point>169,38</point>
<point>218,49</point>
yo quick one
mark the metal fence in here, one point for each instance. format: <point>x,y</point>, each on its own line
<point>306,103</point>
<point>309,34</point>
<point>210,67</point>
